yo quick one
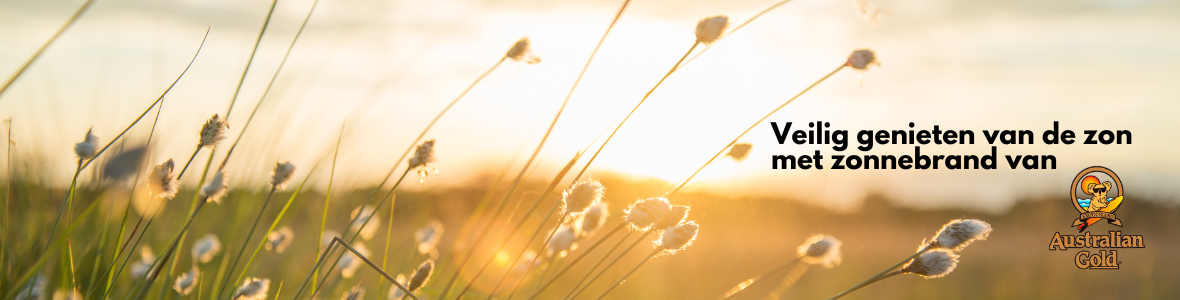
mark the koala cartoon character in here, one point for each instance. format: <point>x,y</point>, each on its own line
<point>1099,191</point>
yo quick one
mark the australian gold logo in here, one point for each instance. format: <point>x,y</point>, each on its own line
<point>1096,193</point>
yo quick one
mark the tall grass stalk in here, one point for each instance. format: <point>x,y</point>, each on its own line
<point>7,198</point>
<point>571,264</point>
<point>748,282</point>
<point>37,264</point>
<point>29,62</point>
<point>250,60</point>
<point>735,140</point>
<point>642,237</point>
<point>327,199</point>
<point>158,264</point>
<point>621,280</point>
<point>637,105</point>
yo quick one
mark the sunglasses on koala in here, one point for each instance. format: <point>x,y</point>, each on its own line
<point>1099,190</point>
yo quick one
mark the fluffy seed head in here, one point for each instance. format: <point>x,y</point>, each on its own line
<point>861,59</point>
<point>522,52</point>
<point>820,250</point>
<point>350,262</point>
<point>215,189</point>
<point>710,29</point>
<point>253,289</point>
<point>580,197</point>
<point>739,151</point>
<point>356,293</point>
<point>161,182</point>
<point>421,275</point>
<point>959,233</point>
<point>67,295</point>
<point>360,215</point>
<point>146,258</point>
<point>563,241</point>
<point>213,131</point>
<point>280,239</point>
<point>88,146</point>
<point>207,247</point>
<point>647,212</point>
<point>423,156</point>
<point>594,218</point>
<point>675,217</point>
<point>281,174</point>
<point>186,281</point>
<point>677,238</point>
<point>429,236</point>
<point>396,293</point>
<point>932,264</point>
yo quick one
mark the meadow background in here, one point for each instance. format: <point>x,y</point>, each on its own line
<point>384,68</point>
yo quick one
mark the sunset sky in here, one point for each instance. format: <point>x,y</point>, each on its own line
<point>387,67</point>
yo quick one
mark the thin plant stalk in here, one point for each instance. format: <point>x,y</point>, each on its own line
<point>40,261</point>
<point>883,274</point>
<point>637,105</point>
<point>327,198</point>
<point>172,246</point>
<point>642,237</point>
<point>273,77</point>
<point>70,22</point>
<point>735,29</point>
<point>250,60</point>
<point>617,284</point>
<point>320,261</point>
<point>576,260</point>
<point>735,140</point>
<point>366,222</point>
<point>7,196</point>
<point>749,282</point>
<point>249,234</point>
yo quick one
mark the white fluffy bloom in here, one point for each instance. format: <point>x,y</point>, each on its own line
<point>362,214</point>
<point>820,250</point>
<point>959,233</point>
<point>521,51</point>
<point>423,156</point>
<point>281,174</point>
<point>861,59</point>
<point>563,241</point>
<point>429,236</point>
<point>186,281</point>
<point>213,131</point>
<point>711,28</point>
<point>675,216</point>
<point>253,289</point>
<point>215,189</point>
<point>581,196</point>
<point>594,218</point>
<point>932,264</point>
<point>161,182</point>
<point>280,239</point>
<point>677,238</point>
<point>647,212</point>
<point>87,147</point>
<point>206,247</point>
<point>421,275</point>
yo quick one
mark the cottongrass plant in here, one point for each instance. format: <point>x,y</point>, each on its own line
<point>205,248</point>
<point>253,289</point>
<point>280,239</point>
<point>87,147</point>
<point>647,216</point>
<point>819,249</point>
<point>162,183</point>
<point>211,133</point>
<point>187,281</point>
<point>935,257</point>
<point>279,176</point>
